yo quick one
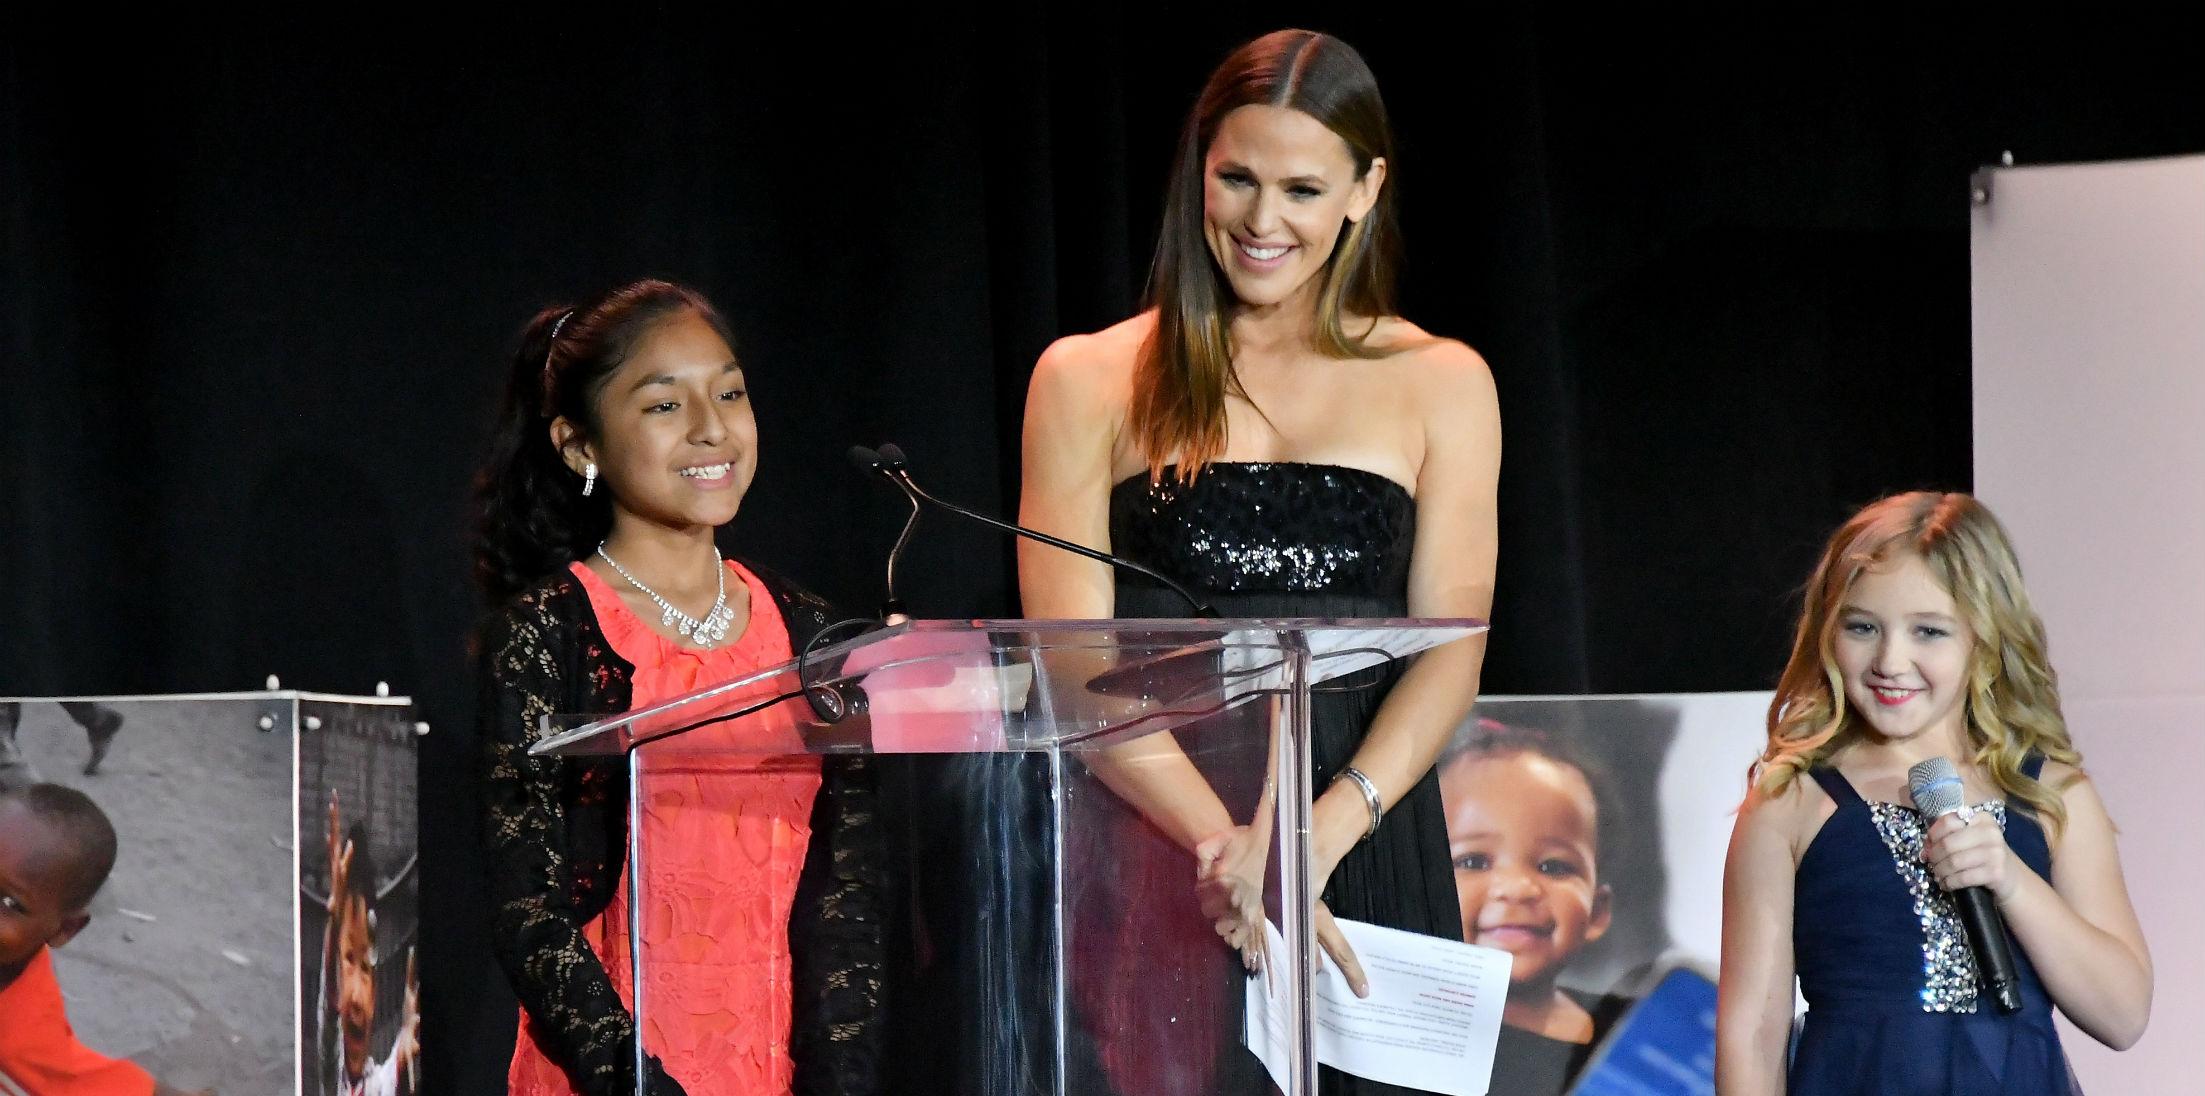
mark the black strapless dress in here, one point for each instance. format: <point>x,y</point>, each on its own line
<point>1256,540</point>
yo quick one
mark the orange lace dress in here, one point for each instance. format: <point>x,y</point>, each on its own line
<point>724,839</point>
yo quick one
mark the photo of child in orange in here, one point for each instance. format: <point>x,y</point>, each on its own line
<point>56,850</point>
<point>1524,825</point>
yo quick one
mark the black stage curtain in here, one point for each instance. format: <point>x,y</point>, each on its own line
<point>259,289</point>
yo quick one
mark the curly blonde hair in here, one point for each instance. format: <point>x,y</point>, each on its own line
<point>2012,704</point>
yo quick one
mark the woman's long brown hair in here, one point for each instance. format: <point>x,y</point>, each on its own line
<point>1184,373</point>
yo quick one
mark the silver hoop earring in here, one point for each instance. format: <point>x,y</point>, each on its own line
<point>589,478</point>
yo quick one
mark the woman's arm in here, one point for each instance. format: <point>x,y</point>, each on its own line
<point>1450,575</point>
<point>1074,406</point>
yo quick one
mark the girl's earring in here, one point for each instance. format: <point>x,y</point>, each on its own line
<point>589,478</point>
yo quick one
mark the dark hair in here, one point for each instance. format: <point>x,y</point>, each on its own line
<point>84,830</point>
<point>1185,370</point>
<point>533,516</point>
<point>1493,738</point>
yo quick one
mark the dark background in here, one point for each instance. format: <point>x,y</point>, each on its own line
<point>257,289</point>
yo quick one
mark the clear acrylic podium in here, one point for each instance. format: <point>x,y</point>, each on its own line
<point>1054,938</point>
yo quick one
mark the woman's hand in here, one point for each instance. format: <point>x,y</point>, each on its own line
<point>1229,869</point>
<point>1229,881</point>
<point>1333,943</point>
<point>1340,819</point>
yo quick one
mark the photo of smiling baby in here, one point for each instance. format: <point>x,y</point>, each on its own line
<point>1526,814</point>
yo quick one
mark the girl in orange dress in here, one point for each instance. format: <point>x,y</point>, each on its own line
<point>627,440</point>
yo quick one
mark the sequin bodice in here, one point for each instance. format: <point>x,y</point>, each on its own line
<point>1264,541</point>
<point>1270,528</point>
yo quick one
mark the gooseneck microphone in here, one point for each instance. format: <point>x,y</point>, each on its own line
<point>888,462</point>
<point>1935,787</point>
<point>875,461</point>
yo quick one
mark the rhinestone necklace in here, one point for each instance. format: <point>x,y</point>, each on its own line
<point>704,633</point>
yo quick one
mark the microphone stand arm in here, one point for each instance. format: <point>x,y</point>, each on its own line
<point>902,478</point>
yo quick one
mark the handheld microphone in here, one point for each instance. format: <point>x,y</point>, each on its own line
<point>1935,787</point>
<point>888,463</point>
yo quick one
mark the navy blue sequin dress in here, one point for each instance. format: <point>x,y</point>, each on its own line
<point>1892,1002</point>
<point>1269,540</point>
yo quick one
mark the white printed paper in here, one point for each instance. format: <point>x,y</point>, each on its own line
<point>1431,1022</point>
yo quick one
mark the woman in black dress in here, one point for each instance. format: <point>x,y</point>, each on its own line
<point>1268,432</point>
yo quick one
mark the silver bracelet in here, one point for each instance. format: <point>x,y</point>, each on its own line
<point>1370,796</point>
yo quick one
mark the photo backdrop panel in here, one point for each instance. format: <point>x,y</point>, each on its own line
<point>2089,335</point>
<point>1672,769</point>
<point>187,965</point>
<point>359,925</point>
<point>1661,777</point>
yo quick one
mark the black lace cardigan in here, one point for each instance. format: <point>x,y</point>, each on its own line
<point>556,834</point>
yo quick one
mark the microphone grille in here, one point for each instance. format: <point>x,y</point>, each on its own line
<point>1935,786</point>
